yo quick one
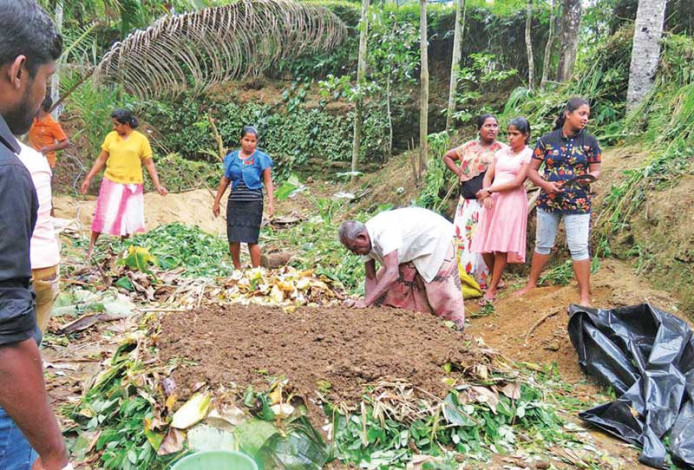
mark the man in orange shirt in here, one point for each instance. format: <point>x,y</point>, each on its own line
<point>46,135</point>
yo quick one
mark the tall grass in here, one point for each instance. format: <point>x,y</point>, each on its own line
<point>665,121</point>
<point>602,80</point>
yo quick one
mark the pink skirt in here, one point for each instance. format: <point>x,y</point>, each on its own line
<point>119,209</point>
<point>503,227</point>
<point>443,296</point>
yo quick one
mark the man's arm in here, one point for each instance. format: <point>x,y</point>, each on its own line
<point>370,281</point>
<point>22,389</point>
<point>23,396</point>
<point>391,273</point>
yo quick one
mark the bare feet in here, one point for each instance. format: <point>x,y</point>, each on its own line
<point>524,290</point>
<point>585,302</point>
<point>488,298</point>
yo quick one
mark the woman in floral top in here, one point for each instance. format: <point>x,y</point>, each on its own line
<point>567,152</point>
<point>475,157</point>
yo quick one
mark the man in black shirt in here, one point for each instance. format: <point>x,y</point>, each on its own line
<point>29,47</point>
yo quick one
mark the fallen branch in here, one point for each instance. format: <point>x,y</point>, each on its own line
<point>538,323</point>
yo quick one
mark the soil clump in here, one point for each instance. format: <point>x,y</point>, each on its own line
<point>337,350</point>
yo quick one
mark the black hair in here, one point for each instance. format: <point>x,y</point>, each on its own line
<point>47,103</point>
<point>522,125</point>
<point>572,105</point>
<point>249,130</point>
<point>484,117</point>
<point>125,117</point>
<point>26,29</point>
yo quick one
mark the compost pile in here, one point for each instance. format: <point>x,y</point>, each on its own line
<point>336,350</point>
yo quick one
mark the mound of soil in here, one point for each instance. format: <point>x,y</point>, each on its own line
<point>344,348</point>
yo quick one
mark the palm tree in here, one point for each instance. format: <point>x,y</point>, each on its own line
<point>424,93</point>
<point>529,44</point>
<point>572,13</point>
<point>548,47</point>
<point>645,53</point>
<point>213,45</point>
<point>361,82</point>
<point>455,60</point>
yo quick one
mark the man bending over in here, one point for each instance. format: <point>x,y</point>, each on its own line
<point>418,270</point>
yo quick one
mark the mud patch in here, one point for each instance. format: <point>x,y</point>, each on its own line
<point>341,349</point>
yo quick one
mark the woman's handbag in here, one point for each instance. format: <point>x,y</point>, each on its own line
<point>469,188</point>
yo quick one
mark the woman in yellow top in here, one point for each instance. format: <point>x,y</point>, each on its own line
<point>120,206</point>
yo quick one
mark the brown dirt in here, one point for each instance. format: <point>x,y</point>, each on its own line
<point>614,285</point>
<point>659,238</point>
<point>346,348</point>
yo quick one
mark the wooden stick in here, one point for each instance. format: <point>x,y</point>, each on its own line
<point>538,323</point>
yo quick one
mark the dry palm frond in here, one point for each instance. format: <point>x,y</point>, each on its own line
<point>198,50</point>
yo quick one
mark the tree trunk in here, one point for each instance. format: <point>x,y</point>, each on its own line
<point>645,53</point>
<point>55,79</point>
<point>389,150</point>
<point>529,45</point>
<point>548,47</point>
<point>570,29</point>
<point>361,75</point>
<point>424,95</point>
<point>455,61</point>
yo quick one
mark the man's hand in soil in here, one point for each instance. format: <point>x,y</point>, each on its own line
<point>354,303</point>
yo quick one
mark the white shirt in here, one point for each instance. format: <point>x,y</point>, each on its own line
<point>45,250</point>
<point>419,235</point>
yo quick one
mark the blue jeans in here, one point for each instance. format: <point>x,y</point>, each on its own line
<point>577,232</point>
<point>15,451</point>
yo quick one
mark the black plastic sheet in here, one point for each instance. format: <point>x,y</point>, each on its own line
<point>647,355</point>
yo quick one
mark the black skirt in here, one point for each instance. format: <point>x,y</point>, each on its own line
<point>243,221</point>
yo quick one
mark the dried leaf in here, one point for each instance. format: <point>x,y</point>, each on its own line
<point>485,395</point>
<point>172,443</point>
<point>226,417</point>
<point>512,390</point>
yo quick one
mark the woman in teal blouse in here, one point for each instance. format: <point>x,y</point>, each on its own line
<point>247,170</point>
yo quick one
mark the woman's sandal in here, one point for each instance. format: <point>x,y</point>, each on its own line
<point>485,301</point>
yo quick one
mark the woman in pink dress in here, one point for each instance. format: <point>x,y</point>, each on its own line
<point>501,230</point>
